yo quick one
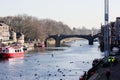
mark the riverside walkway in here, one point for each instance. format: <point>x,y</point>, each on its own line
<point>100,73</point>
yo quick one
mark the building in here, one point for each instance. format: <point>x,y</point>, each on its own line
<point>7,35</point>
<point>4,31</point>
<point>114,34</point>
<point>117,28</point>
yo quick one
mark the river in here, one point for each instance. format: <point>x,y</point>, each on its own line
<point>63,63</point>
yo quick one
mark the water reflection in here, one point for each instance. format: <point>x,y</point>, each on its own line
<point>10,60</point>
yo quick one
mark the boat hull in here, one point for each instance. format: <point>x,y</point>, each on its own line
<point>11,55</point>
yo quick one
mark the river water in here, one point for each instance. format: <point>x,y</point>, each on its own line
<point>63,63</point>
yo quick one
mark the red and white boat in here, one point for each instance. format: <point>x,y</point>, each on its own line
<point>11,51</point>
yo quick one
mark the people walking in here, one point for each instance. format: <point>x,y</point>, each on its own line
<point>85,75</point>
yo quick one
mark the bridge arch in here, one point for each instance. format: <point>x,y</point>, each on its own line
<point>55,37</point>
<point>58,38</point>
<point>50,43</point>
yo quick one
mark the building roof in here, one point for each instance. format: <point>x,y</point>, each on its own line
<point>3,24</point>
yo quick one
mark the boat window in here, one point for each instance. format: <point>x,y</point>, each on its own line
<point>3,51</point>
<point>7,50</point>
<point>15,50</point>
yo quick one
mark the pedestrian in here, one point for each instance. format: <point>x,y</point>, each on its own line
<point>108,74</point>
<point>81,78</point>
<point>52,55</point>
<point>85,75</point>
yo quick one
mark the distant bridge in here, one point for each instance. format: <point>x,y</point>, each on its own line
<point>58,38</point>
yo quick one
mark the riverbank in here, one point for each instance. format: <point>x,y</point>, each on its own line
<point>100,72</point>
<point>28,46</point>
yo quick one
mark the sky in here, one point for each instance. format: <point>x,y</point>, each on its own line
<point>74,13</point>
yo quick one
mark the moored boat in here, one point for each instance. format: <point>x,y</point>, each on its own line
<point>42,45</point>
<point>11,51</point>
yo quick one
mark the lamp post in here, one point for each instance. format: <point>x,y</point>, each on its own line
<point>106,29</point>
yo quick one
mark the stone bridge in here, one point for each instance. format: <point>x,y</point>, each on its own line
<point>58,38</point>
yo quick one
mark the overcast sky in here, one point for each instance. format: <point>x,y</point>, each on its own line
<point>74,13</point>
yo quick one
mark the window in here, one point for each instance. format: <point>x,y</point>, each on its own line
<point>3,51</point>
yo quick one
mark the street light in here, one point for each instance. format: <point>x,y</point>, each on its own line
<point>106,29</point>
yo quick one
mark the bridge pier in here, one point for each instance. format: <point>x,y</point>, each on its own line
<point>91,42</point>
<point>45,42</point>
<point>57,42</point>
